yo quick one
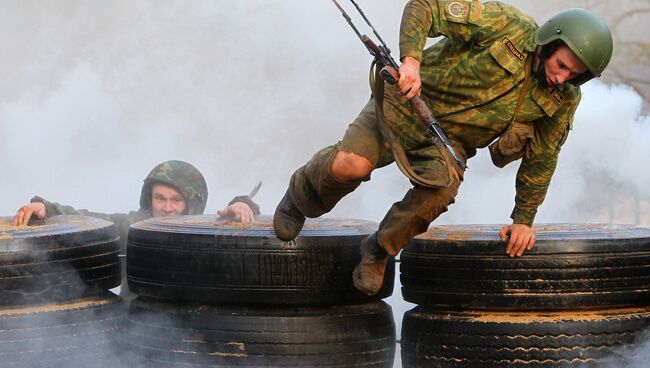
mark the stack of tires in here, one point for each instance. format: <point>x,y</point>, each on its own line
<point>580,298</point>
<point>213,293</point>
<point>55,307</point>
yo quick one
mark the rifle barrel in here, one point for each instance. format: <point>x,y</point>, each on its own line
<point>363,15</point>
<point>348,19</point>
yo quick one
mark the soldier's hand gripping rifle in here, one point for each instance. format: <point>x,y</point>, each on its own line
<point>389,73</point>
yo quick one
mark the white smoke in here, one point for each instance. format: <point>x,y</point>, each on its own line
<point>102,92</point>
<point>246,91</point>
<point>97,93</point>
<point>602,158</point>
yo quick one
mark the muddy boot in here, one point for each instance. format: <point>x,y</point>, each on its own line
<point>368,276</point>
<point>287,220</point>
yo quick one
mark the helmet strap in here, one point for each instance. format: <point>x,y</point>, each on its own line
<point>582,78</point>
<point>541,71</point>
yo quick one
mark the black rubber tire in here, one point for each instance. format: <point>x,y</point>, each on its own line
<point>572,266</point>
<point>458,339</point>
<point>201,260</point>
<point>168,335</point>
<point>79,333</point>
<point>66,257</point>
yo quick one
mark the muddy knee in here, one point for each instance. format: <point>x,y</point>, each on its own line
<point>348,166</point>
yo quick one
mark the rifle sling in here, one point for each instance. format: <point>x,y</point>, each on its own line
<point>377,87</point>
<point>524,89</point>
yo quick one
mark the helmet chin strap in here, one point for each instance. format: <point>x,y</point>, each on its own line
<point>541,71</point>
<point>545,53</point>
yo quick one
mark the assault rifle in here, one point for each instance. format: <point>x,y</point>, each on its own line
<point>389,73</point>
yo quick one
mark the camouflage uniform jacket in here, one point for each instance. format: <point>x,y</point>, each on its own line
<point>122,221</point>
<point>472,79</point>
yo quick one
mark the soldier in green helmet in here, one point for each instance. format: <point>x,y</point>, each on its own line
<point>495,79</point>
<point>172,188</point>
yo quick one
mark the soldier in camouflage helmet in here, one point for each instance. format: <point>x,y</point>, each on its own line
<point>495,79</point>
<point>185,180</point>
<point>171,188</point>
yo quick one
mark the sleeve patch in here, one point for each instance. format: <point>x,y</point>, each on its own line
<point>458,9</point>
<point>556,94</point>
<point>510,46</point>
<point>475,12</point>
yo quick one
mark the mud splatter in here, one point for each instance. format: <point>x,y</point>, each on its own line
<point>78,304</point>
<point>526,317</point>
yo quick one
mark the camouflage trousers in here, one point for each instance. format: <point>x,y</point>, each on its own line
<point>315,191</point>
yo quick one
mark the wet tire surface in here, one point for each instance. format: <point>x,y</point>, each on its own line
<point>438,338</point>
<point>572,266</point>
<point>65,257</point>
<point>78,333</point>
<point>200,259</point>
<point>167,335</point>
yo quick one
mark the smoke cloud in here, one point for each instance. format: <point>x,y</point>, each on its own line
<point>248,90</point>
<point>97,93</point>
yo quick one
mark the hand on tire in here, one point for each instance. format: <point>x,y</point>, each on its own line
<point>25,213</point>
<point>520,238</point>
<point>239,211</point>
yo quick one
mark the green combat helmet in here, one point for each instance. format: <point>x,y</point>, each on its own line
<point>585,34</point>
<point>182,176</point>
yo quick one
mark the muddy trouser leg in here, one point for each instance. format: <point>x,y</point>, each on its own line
<point>420,206</point>
<point>313,188</point>
<point>407,218</point>
<point>412,216</point>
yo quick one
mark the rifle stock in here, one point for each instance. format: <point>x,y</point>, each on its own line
<point>422,110</point>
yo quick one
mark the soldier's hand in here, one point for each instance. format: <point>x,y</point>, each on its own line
<point>409,82</point>
<point>26,212</point>
<point>520,237</point>
<point>239,211</point>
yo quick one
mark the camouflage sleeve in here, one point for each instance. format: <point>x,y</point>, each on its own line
<point>122,221</point>
<point>535,172</point>
<point>55,209</point>
<point>459,20</point>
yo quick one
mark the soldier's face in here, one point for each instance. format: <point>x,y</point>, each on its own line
<point>166,201</point>
<point>562,66</point>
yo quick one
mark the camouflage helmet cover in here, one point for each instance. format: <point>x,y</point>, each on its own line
<point>183,176</point>
<point>584,33</point>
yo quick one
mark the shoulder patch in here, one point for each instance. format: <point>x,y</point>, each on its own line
<point>510,46</point>
<point>556,94</point>
<point>458,9</point>
<point>476,11</point>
